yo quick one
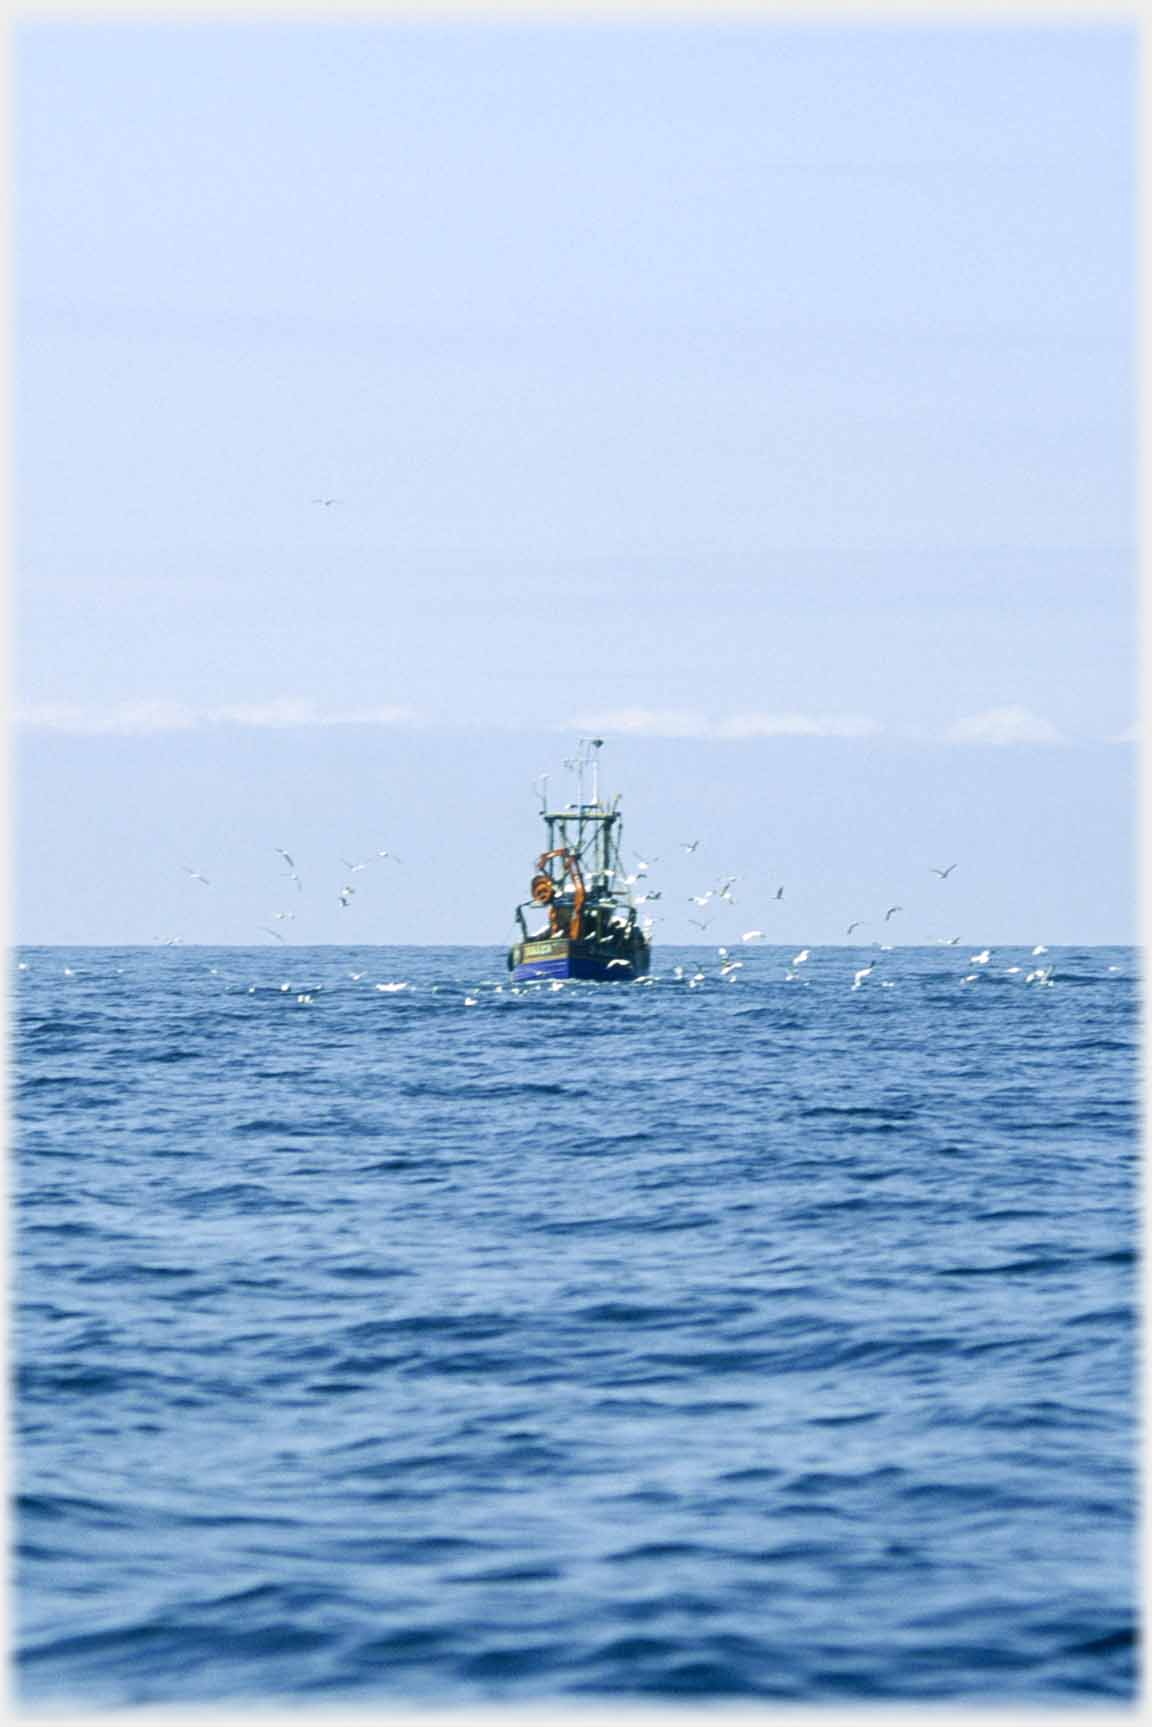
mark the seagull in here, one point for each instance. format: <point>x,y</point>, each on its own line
<point>353,867</point>
<point>470,1001</point>
<point>613,962</point>
<point>195,874</point>
<point>327,502</point>
<point>280,852</point>
<point>303,1000</point>
<point>799,958</point>
<point>391,855</point>
<point>943,873</point>
<point>950,941</point>
<point>689,845</point>
<point>283,914</point>
<point>357,975</point>
<point>274,932</point>
<point>696,924</point>
<point>859,976</point>
<point>779,893</point>
<point>700,899</point>
<point>346,896</point>
<point>980,958</point>
<point>752,935</point>
<point>890,910</point>
<point>852,926</point>
<point>299,884</point>
<point>1040,949</point>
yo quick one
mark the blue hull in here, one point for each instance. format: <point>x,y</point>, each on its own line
<point>537,961</point>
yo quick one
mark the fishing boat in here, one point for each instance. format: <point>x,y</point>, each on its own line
<point>580,886</point>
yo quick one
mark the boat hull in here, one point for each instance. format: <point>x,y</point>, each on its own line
<point>559,957</point>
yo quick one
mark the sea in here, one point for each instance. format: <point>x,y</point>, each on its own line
<point>386,1333</point>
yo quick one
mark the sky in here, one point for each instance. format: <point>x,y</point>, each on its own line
<point>756,396</point>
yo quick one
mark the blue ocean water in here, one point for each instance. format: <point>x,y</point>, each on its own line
<point>709,1337</point>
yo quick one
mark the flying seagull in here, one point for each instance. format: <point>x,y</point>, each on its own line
<point>327,502</point>
<point>195,874</point>
<point>280,852</point>
<point>943,873</point>
<point>890,910</point>
<point>346,896</point>
<point>274,932</point>
<point>391,855</point>
<point>779,893</point>
<point>689,845</point>
<point>852,926</point>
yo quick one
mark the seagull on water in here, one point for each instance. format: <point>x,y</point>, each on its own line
<point>942,873</point>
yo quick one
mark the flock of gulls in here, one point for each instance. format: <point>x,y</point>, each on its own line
<point>721,893</point>
<point>289,873</point>
<point>726,968</point>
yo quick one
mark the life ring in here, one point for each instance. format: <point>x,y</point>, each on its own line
<point>543,889</point>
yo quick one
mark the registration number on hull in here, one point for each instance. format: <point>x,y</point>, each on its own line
<point>544,950</point>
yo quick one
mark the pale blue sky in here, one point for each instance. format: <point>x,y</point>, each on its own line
<point>706,385</point>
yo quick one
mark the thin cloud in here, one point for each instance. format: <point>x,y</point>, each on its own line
<point>1004,726</point>
<point>690,723</point>
<point>141,719</point>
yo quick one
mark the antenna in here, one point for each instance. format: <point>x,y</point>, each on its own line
<point>540,787</point>
<point>596,745</point>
